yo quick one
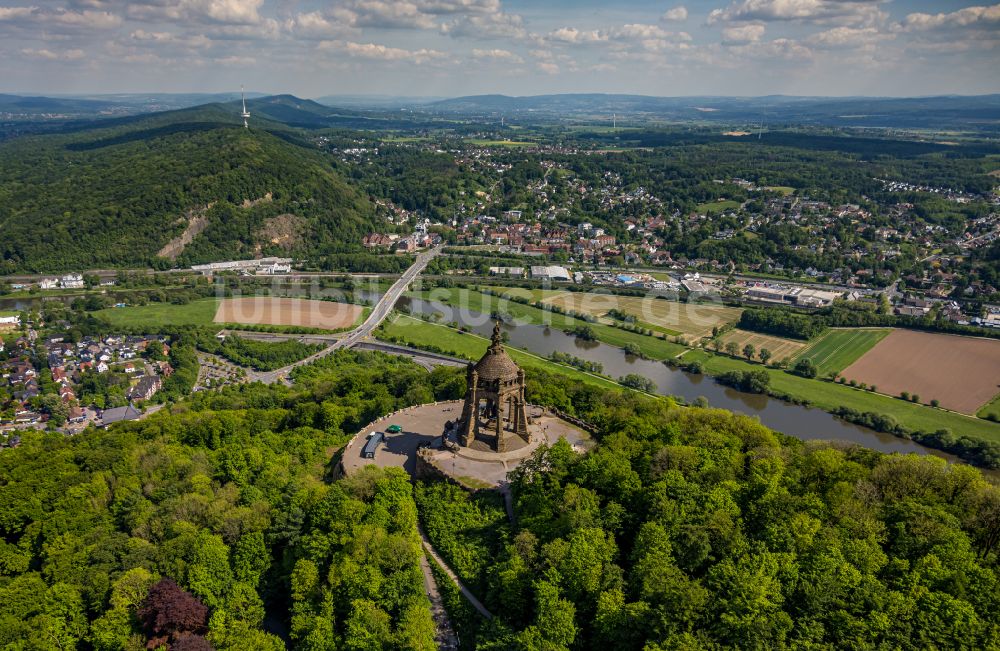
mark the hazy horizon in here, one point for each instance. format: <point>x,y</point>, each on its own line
<point>452,48</point>
<point>259,94</point>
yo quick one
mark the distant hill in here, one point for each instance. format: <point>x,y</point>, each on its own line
<point>122,191</point>
<point>935,112</point>
<point>376,101</point>
<point>33,106</point>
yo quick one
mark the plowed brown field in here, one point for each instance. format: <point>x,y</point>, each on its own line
<point>264,310</point>
<point>963,373</point>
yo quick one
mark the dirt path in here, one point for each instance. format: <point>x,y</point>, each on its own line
<point>429,549</point>
<point>445,635</point>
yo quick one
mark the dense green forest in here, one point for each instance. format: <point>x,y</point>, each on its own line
<point>698,529</point>
<point>229,496</point>
<point>113,196</point>
<point>263,356</point>
<point>219,519</point>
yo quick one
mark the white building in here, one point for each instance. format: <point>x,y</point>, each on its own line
<point>550,273</point>
<point>269,265</point>
<point>14,321</point>
<point>72,281</point>
<point>516,272</point>
<point>48,283</point>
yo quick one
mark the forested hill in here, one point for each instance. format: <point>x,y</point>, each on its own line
<point>116,193</point>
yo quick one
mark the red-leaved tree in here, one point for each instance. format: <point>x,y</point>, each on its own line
<point>169,612</point>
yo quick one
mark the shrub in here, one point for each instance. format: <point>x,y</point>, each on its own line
<point>805,368</point>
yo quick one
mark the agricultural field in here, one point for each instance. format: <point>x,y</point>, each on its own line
<point>839,348</point>
<point>780,347</point>
<point>265,310</point>
<point>693,320</point>
<point>200,313</point>
<point>962,373</point>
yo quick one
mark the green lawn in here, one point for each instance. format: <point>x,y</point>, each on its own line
<point>991,407</point>
<point>199,312</point>
<point>422,334</point>
<point>717,206</point>
<point>838,349</point>
<point>651,347</point>
<point>828,396</point>
<point>783,189</point>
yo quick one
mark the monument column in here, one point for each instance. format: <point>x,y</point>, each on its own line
<point>472,409</point>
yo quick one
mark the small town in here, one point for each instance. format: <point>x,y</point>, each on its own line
<point>72,385</point>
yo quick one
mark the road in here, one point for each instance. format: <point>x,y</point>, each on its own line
<point>377,316</point>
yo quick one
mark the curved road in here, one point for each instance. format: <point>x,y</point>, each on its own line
<point>377,316</point>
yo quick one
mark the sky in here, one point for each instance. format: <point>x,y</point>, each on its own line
<point>449,48</point>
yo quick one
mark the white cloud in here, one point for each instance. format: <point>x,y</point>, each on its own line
<point>779,48</point>
<point>848,37</point>
<point>820,11</point>
<point>44,54</point>
<point>981,17</point>
<point>677,14</point>
<point>195,41</point>
<point>574,35</point>
<point>236,61</point>
<point>16,13</point>
<point>318,25</point>
<point>548,67</point>
<point>497,55</point>
<point>390,14</point>
<point>494,25</point>
<point>59,19</point>
<point>378,52</point>
<point>229,12</point>
<point>743,34</point>
<point>649,36</point>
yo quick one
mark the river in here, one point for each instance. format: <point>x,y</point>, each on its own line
<point>804,423</point>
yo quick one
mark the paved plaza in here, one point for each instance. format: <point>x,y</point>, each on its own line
<point>423,425</point>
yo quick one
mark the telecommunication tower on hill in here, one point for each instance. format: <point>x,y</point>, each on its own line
<point>246,113</point>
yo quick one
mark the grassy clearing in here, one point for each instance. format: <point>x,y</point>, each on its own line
<point>421,334</point>
<point>474,301</point>
<point>199,312</point>
<point>780,348</point>
<point>694,320</point>
<point>838,349</point>
<point>714,207</point>
<point>991,407</point>
<point>783,189</point>
<point>828,396</point>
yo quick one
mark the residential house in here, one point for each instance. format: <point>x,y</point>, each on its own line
<point>146,388</point>
<point>118,414</point>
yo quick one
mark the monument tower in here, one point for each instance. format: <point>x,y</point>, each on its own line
<point>495,410</point>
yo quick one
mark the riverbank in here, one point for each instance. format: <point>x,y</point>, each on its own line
<point>921,421</point>
<point>466,345</point>
<point>474,301</point>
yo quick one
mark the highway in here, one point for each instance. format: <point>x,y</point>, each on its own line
<point>377,316</point>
